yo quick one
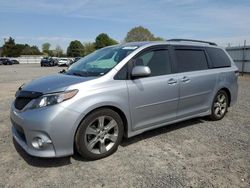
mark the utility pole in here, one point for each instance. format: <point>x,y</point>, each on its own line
<point>243,58</point>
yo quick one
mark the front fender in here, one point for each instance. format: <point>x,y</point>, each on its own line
<point>114,95</point>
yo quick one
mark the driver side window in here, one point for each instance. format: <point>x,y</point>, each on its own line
<point>157,60</point>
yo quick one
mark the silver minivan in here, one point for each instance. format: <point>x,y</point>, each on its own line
<point>121,91</point>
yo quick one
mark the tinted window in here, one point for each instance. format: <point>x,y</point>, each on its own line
<point>122,74</point>
<point>157,60</point>
<point>218,57</point>
<point>190,60</point>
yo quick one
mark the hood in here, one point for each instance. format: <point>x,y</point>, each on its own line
<point>54,83</point>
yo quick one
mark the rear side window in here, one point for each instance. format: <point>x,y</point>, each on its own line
<point>218,58</point>
<point>190,60</point>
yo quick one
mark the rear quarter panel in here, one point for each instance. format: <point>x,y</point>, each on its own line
<point>227,79</point>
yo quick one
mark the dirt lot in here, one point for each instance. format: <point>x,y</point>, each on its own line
<point>194,153</point>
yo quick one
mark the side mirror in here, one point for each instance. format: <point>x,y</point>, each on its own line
<point>140,71</point>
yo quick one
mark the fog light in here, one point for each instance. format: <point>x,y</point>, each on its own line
<point>39,143</point>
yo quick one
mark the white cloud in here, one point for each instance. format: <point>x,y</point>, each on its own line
<point>43,6</point>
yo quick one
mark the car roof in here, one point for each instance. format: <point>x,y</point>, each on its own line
<point>176,43</point>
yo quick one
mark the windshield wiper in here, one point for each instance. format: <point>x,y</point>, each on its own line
<point>62,71</point>
<point>85,73</point>
<point>78,74</point>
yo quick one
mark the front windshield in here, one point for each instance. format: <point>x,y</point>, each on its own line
<point>101,61</point>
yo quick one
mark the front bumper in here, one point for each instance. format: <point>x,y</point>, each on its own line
<point>55,124</point>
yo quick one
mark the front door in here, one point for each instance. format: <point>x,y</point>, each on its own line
<point>153,100</point>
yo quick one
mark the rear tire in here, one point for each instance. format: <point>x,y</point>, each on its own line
<point>219,106</point>
<point>99,134</point>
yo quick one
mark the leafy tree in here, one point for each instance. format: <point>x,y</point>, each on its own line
<point>103,40</point>
<point>30,50</point>
<point>45,47</point>
<point>89,47</point>
<point>75,49</point>
<point>159,39</point>
<point>140,34</point>
<point>59,51</point>
<point>11,49</point>
<point>19,48</point>
<point>35,50</point>
<point>1,51</point>
<point>8,48</point>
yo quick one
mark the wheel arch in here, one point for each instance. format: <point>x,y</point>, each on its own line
<point>112,107</point>
<point>228,94</point>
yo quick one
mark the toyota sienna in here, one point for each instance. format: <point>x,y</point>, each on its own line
<point>121,91</point>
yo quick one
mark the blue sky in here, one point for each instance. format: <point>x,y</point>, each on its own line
<point>58,22</point>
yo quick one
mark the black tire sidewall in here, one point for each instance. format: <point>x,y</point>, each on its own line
<point>79,138</point>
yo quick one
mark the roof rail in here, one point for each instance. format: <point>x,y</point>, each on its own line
<point>190,40</point>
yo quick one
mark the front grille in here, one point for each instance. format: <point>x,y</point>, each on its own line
<point>19,131</point>
<point>24,97</point>
<point>21,102</point>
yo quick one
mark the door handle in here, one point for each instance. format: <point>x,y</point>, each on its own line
<point>172,81</point>
<point>185,79</point>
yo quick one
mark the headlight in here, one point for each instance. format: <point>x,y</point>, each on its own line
<point>51,99</point>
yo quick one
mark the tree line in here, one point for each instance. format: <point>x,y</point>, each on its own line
<point>11,49</point>
<point>76,48</point>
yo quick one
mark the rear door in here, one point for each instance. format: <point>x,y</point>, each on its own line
<point>197,81</point>
<point>153,100</point>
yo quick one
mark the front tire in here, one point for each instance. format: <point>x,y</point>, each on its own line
<point>99,134</point>
<point>219,106</point>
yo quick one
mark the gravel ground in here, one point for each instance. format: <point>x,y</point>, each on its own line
<point>194,153</point>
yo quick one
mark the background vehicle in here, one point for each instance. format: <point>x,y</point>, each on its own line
<point>55,61</point>
<point>48,61</point>
<point>122,90</point>
<point>76,59</point>
<point>14,61</point>
<point>6,61</point>
<point>73,60</point>
<point>63,62</point>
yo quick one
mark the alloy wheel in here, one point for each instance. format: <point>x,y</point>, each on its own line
<point>101,134</point>
<point>220,105</point>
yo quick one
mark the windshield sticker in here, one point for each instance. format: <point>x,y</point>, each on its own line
<point>130,47</point>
